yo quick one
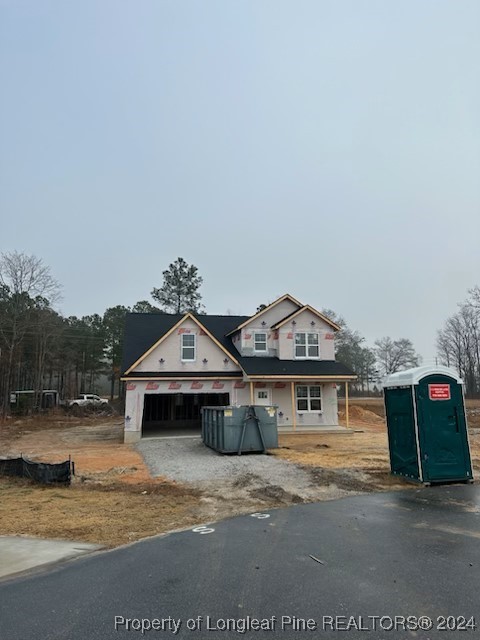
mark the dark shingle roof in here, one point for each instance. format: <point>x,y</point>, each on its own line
<point>219,326</point>
<point>258,366</point>
<point>143,330</point>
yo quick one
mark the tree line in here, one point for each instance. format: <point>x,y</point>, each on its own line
<point>42,349</point>
<point>458,343</point>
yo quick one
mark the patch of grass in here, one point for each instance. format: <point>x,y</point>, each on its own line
<point>105,514</point>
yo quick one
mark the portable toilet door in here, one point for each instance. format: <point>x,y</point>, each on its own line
<point>442,429</point>
<point>402,436</point>
<point>425,413</point>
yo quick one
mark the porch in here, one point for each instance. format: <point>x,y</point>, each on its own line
<point>303,404</point>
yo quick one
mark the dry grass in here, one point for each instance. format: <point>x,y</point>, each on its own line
<point>113,500</point>
<point>356,451</point>
<point>366,447</point>
<point>110,515</point>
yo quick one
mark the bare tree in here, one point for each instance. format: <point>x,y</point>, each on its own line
<point>25,283</point>
<point>21,273</point>
<point>395,355</point>
<point>350,349</point>
<point>474,300</point>
<point>458,343</point>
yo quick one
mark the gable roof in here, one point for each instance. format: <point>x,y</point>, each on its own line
<point>144,331</point>
<point>249,319</point>
<point>306,307</point>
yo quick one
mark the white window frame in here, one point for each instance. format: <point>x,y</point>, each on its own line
<point>194,347</point>
<point>260,333</point>
<point>307,345</point>
<point>267,398</point>
<point>309,398</point>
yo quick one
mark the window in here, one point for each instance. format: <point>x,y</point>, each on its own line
<point>306,345</point>
<point>188,346</point>
<point>260,342</point>
<point>309,398</point>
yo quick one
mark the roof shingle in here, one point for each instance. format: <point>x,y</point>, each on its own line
<point>143,330</point>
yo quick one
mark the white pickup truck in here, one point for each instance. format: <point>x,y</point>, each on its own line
<point>88,400</point>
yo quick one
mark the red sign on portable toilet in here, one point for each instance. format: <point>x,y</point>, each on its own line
<point>439,391</point>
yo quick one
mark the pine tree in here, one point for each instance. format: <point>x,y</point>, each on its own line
<point>180,290</point>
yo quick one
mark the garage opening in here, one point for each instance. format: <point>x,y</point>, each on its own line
<point>172,413</point>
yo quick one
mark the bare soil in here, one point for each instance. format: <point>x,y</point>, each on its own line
<point>114,500</point>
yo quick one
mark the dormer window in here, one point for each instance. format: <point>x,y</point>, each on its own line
<point>306,345</point>
<point>260,342</point>
<point>188,347</point>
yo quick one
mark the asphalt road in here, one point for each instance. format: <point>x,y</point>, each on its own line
<point>377,559</point>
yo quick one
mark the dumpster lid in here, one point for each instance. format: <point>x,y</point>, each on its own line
<point>413,376</point>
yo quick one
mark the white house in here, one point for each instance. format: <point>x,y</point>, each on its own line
<point>283,355</point>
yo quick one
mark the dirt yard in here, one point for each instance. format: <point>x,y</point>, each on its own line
<point>114,500</point>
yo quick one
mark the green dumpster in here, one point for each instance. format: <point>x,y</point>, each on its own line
<point>240,429</point>
<point>427,426</point>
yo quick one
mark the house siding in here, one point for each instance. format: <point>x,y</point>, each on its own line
<point>239,395</point>
<point>286,336</point>
<point>327,417</point>
<point>282,398</point>
<point>170,351</point>
<point>164,372</point>
<point>245,338</point>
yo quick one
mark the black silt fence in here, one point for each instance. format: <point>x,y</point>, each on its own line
<point>41,472</point>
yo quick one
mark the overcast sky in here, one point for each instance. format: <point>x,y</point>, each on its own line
<point>326,149</point>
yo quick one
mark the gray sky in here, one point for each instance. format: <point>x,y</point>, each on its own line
<point>326,149</point>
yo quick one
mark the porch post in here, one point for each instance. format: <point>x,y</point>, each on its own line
<point>347,420</point>
<point>294,413</point>
<point>251,393</point>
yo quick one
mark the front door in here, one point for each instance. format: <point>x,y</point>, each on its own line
<point>442,430</point>
<point>263,397</point>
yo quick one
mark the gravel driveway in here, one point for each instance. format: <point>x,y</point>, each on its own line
<point>189,461</point>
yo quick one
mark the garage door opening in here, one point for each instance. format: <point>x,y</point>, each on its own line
<point>178,413</point>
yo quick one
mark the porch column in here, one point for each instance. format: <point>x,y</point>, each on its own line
<point>251,393</point>
<point>294,413</point>
<point>347,420</point>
